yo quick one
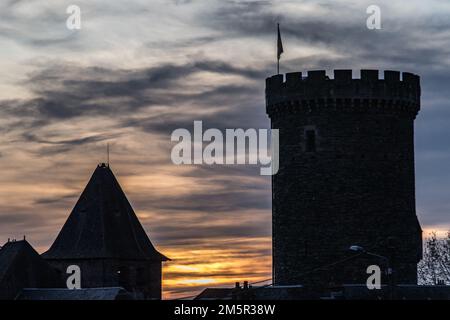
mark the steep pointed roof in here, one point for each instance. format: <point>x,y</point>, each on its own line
<point>103,225</point>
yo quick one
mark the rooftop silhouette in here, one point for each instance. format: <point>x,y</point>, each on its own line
<point>103,225</point>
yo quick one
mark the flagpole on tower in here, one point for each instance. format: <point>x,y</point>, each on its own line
<point>278,66</point>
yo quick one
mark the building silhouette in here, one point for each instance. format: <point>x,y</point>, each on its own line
<point>346,176</point>
<point>22,267</point>
<point>105,239</point>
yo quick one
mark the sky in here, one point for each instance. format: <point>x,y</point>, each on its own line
<point>138,69</point>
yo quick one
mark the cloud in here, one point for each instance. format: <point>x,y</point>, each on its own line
<point>65,91</point>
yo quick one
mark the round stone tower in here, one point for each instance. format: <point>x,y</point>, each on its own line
<point>346,176</point>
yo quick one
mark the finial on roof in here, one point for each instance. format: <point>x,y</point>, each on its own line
<point>107,154</point>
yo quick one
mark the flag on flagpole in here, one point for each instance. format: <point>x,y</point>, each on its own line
<point>279,49</point>
<point>279,44</point>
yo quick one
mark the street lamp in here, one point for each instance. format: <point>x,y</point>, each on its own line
<point>356,248</point>
<point>362,250</point>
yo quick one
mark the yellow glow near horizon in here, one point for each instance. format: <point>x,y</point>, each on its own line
<point>196,268</point>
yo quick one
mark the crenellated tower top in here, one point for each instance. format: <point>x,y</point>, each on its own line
<point>396,92</point>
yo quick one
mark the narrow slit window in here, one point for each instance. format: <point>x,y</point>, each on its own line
<point>310,140</point>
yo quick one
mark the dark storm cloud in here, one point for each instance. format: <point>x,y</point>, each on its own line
<point>14,218</point>
<point>226,201</point>
<point>196,233</point>
<point>29,137</point>
<point>238,115</point>
<point>241,188</point>
<point>398,43</point>
<point>227,170</point>
<point>258,20</point>
<point>59,201</point>
<point>48,147</point>
<point>185,43</point>
<point>65,92</point>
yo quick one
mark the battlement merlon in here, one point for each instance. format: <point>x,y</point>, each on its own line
<point>317,89</point>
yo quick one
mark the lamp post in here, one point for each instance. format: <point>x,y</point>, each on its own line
<point>386,261</point>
